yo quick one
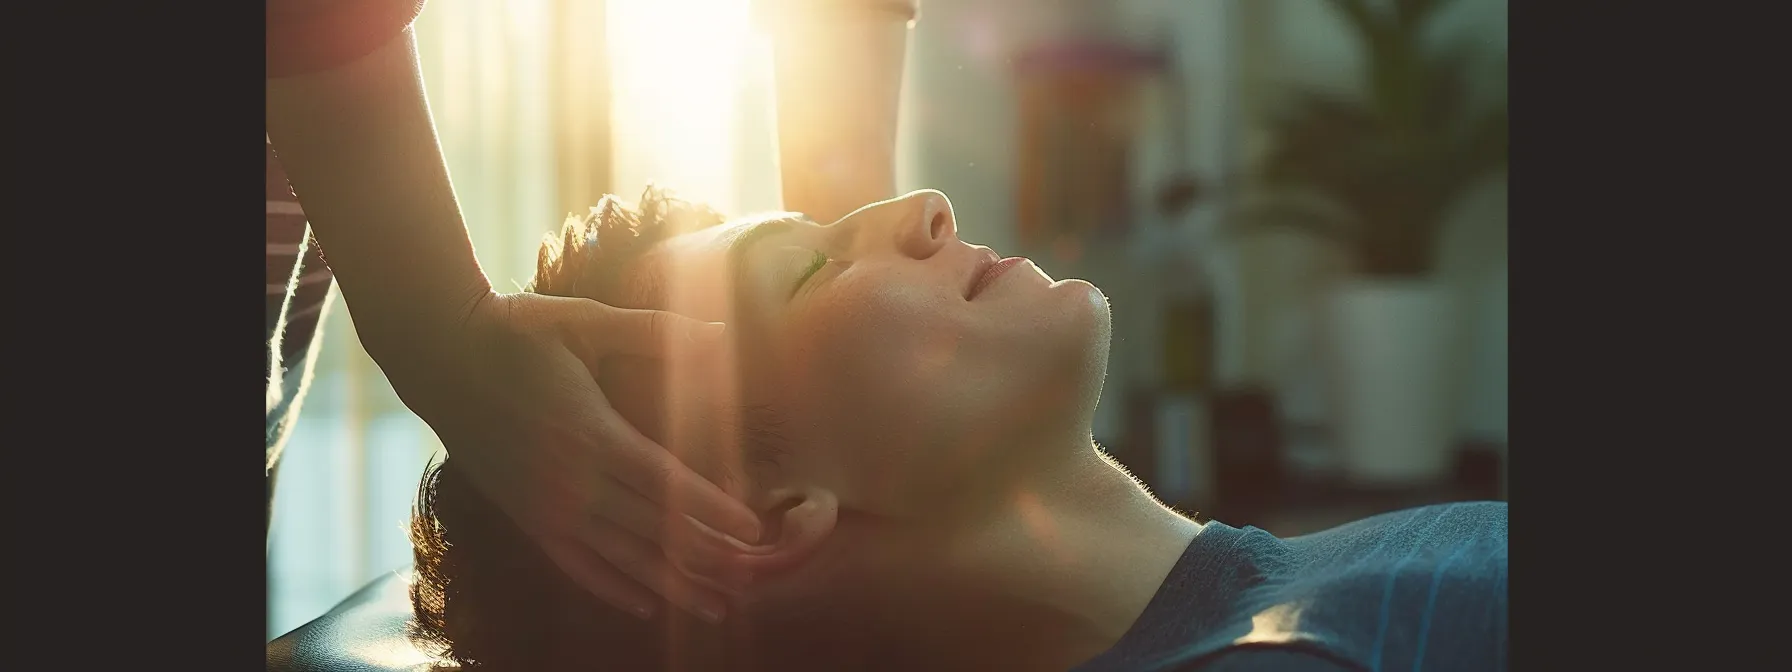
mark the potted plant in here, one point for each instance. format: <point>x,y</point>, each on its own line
<point>1378,172</point>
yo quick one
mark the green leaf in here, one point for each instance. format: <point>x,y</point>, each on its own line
<point>1359,15</point>
<point>1413,13</point>
<point>1394,160</point>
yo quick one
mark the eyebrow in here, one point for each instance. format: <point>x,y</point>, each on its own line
<point>743,243</point>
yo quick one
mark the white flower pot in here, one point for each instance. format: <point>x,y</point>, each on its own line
<point>1392,408</point>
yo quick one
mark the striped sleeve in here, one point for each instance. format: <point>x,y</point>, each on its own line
<point>311,35</point>
<point>291,263</point>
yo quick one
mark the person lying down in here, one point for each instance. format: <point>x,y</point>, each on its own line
<point>910,413</point>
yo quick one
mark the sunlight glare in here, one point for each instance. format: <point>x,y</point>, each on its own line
<point>1279,624</point>
<point>678,68</point>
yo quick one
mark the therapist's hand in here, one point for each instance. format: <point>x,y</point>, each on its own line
<point>508,387</point>
<point>504,380</point>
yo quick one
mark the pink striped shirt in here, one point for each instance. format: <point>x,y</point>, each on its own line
<point>307,275</point>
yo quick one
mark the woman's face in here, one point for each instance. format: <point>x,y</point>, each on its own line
<point>900,363</point>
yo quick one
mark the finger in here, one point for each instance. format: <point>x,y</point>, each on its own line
<point>643,333</point>
<point>642,561</point>
<point>627,509</point>
<point>584,566</point>
<point>646,468</point>
<point>698,552</point>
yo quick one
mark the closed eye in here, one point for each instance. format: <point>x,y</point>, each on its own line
<point>817,261</point>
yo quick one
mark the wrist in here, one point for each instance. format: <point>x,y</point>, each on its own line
<point>396,317</point>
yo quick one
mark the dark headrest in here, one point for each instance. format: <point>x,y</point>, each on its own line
<point>365,633</point>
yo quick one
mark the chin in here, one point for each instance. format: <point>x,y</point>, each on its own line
<point>1087,322</point>
<point>1095,329</point>
<point>1080,329</point>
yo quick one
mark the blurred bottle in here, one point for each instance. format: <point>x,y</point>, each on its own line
<point>1232,442</point>
<point>1182,418</point>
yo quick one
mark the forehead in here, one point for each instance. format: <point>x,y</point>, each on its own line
<point>694,273</point>
<point>717,239</point>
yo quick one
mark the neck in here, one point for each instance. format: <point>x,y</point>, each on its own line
<point>1066,565</point>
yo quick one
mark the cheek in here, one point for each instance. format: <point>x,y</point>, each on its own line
<point>871,364</point>
<point>877,336</point>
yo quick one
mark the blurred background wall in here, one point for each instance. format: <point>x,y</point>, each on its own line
<point>1220,372</point>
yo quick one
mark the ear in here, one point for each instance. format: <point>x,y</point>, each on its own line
<point>798,521</point>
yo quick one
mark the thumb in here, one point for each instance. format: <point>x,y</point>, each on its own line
<point>643,333</point>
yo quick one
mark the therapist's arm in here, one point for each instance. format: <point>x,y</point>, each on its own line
<point>359,145</point>
<point>838,67</point>
<point>501,378</point>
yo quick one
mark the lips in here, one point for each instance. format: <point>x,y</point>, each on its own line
<point>988,259</point>
<point>990,273</point>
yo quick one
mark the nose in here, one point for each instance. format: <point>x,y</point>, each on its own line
<point>926,224</point>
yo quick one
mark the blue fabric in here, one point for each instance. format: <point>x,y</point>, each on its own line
<point>1419,589</point>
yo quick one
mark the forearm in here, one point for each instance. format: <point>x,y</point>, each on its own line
<point>360,150</point>
<point>838,66</point>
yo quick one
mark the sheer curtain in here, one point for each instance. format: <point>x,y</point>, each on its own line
<point>517,88</point>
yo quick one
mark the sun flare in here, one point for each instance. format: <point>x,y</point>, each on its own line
<point>678,67</point>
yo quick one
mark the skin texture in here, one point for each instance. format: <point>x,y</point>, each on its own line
<point>954,377</point>
<point>931,449</point>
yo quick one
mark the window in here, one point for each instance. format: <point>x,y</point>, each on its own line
<point>695,83</point>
